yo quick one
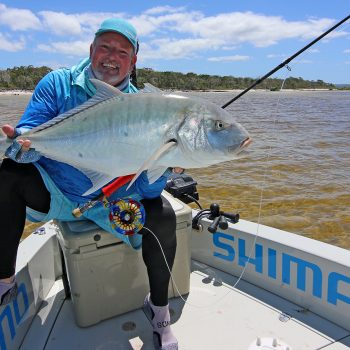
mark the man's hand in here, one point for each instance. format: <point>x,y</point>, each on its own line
<point>178,170</point>
<point>10,132</point>
<point>20,150</point>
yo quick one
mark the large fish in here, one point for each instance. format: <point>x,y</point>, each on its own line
<point>115,134</point>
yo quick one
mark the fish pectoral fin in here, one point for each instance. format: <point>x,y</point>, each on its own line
<point>151,161</point>
<point>105,90</point>
<point>98,180</point>
<point>149,88</point>
<point>155,173</point>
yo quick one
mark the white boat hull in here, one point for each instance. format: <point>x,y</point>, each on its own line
<point>294,289</point>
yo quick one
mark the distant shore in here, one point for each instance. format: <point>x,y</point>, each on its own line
<point>29,92</point>
<point>257,90</point>
<point>16,92</point>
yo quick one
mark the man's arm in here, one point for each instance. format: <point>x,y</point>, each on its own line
<point>11,133</point>
<point>147,190</point>
<point>41,108</point>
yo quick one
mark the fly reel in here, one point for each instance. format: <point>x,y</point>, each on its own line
<point>126,216</point>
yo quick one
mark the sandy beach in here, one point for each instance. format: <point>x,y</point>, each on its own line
<point>29,92</point>
<point>16,92</point>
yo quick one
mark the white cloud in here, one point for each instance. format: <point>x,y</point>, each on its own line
<point>229,58</point>
<point>74,48</point>
<point>164,9</point>
<point>175,49</point>
<point>172,31</point>
<point>7,44</point>
<point>60,23</point>
<point>285,56</point>
<point>259,30</point>
<point>347,51</point>
<point>279,55</point>
<point>78,25</point>
<point>18,19</point>
<point>229,48</point>
<point>168,32</point>
<point>303,61</point>
<point>90,21</point>
<point>144,25</point>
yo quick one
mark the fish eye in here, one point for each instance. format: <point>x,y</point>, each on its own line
<point>219,125</point>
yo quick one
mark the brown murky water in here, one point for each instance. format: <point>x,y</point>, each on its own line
<point>296,174</point>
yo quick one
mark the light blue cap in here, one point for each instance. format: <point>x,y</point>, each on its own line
<point>122,27</point>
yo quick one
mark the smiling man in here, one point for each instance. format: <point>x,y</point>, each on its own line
<point>112,57</point>
<point>45,189</point>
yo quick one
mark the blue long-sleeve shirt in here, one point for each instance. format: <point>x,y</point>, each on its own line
<point>58,92</point>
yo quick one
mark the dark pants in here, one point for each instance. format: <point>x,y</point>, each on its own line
<point>21,186</point>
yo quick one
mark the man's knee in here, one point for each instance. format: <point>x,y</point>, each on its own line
<point>159,211</point>
<point>24,182</point>
<point>12,171</point>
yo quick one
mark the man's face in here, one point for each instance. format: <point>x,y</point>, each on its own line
<point>112,57</point>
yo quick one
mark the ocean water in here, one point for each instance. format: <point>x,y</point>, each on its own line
<point>296,174</point>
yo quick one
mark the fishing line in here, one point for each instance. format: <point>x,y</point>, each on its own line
<point>231,288</point>
<point>285,63</point>
<point>173,280</point>
<point>258,81</point>
<point>261,191</point>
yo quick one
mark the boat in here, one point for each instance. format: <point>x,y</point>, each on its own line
<point>243,286</point>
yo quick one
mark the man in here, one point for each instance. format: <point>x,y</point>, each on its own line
<point>44,189</point>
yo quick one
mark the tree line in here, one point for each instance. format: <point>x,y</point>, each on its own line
<point>22,78</point>
<point>27,77</point>
<point>192,81</point>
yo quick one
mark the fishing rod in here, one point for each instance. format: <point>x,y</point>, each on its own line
<point>284,63</point>
<point>108,190</point>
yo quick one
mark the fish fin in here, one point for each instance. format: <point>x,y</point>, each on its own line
<point>155,173</point>
<point>103,92</point>
<point>3,144</point>
<point>149,88</point>
<point>149,163</point>
<point>104,89</point>
<point>98,180</point>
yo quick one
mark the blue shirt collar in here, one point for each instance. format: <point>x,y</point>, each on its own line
<point>82,73</point>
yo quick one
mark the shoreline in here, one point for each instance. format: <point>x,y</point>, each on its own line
<point>16,92</point>
<point>30,92</point>
<point>259,90</point>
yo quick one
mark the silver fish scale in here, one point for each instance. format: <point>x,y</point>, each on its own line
<point>111,131</point>
<point>113,135</point>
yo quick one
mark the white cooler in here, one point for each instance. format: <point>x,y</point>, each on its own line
<point>107,277</point>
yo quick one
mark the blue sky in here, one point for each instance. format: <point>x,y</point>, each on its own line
<point>245,38</point>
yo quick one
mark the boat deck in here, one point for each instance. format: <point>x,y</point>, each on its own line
<point>215,316</point>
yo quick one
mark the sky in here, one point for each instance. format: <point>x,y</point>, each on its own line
<point>243,38</point>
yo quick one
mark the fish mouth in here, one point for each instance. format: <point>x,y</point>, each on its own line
<point>245,143</point>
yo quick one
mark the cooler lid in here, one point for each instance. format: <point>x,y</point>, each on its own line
<point>76,234</point>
